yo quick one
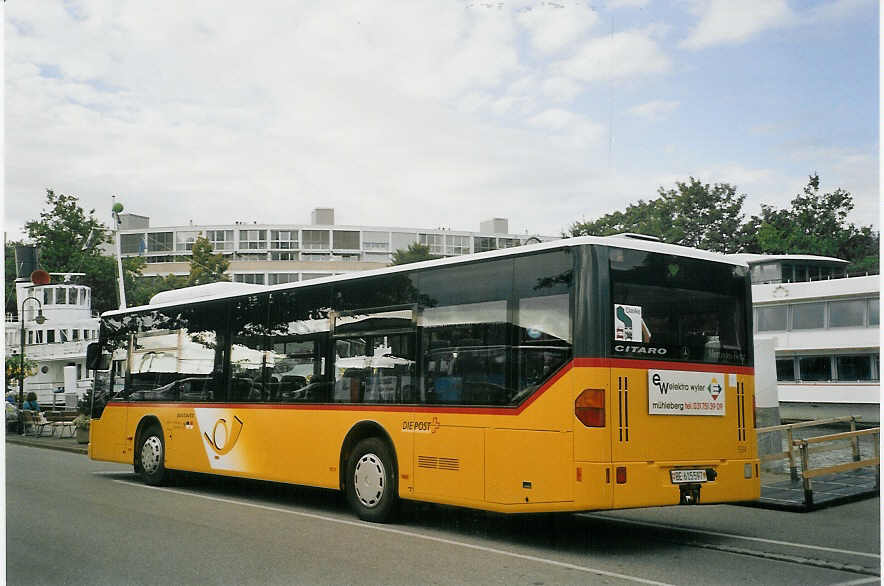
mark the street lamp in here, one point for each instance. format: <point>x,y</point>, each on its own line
<point>40,319</point>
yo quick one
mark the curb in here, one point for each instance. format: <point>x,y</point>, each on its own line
<point>47,446</point>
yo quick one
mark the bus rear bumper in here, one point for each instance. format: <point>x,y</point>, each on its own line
<point>648,484</point>
<point>626,485</point>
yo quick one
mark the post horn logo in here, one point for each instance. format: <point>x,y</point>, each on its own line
<point>222,439</point>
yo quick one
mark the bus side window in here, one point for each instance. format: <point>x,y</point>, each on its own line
<point>297,346</point>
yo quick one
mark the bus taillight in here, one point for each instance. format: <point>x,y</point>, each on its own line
<point>590,407</point>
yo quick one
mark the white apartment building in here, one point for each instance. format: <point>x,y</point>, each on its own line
<point>270,254</point>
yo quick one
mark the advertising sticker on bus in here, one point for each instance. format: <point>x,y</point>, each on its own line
<point>674,392</point>
<point>627,323</point>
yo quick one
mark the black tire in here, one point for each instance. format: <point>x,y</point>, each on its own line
<point>371,481</point>
<point>150,461</point>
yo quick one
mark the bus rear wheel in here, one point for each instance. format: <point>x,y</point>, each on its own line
<point>371,481</point>
<point>150,460</point>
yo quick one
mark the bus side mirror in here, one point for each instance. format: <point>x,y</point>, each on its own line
<point>95,360</point>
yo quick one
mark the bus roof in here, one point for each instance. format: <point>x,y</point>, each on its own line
<point>210,293</point>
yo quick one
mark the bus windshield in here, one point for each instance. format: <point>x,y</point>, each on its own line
<point>670,307</point>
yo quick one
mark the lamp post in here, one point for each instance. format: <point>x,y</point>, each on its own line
<point>40,319</point>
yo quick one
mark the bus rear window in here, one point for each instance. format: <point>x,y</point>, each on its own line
<point>676,308</point>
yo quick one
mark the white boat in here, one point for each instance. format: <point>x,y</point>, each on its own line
<point>826,330</point>
<point>58,345</point>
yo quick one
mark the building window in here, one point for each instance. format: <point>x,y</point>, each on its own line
<point>345,239</point>
<point>62,336</point>
<point>375,241</point>
<point>283,239</point>
<point>252,239</point>
<point>251,278</point>
<point>785,369</point>
<point>159,242</point>
<point>220,239</point>
<point>507,242</point>
<point>75,335</point>
<point>308,276</point>
<point>771,319</point>
<point>38,337</point>
<point>283,256</point>
<point>132,243</point>
<point>455,244</point>
<point>47,296</point>
<point>847,313</point>
<point>162,258</point>
<point>308,257</point>
<point>484,244</point>
<point>184,241</point>
<point>874,311</point>
<point>61,296</point>
<point>280,278</point>
<point>815,368</point>
<point>808,316</point>
<point>854,368</point>
<point>50,336</point>
<point>435,242</point>
<point>315,240</point>
<point>256,256</point>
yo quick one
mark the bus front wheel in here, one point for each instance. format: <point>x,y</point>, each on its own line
<point>150,461</point>
<point>371,481</point>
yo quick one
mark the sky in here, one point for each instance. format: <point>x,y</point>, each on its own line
<point>436,113</point>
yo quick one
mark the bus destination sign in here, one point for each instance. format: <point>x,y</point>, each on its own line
<point>677,392</point>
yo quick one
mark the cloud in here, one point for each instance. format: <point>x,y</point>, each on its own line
<point>728,22</point>
<point>553,27</point>
<point>614,4</point>
<point>655,109</point>
<point>618,56</point>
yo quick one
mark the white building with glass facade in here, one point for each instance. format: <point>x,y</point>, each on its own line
<point>270,254</point>
<point>826,328</point>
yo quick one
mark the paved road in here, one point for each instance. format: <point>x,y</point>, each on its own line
<point>73,521</point>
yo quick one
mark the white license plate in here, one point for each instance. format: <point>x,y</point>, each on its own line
<point>682,476</point>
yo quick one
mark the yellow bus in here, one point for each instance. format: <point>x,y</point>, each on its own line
<point>581,374</point>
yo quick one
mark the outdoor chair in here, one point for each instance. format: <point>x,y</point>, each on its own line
<point>41,424</point>
<point>28,422</point>
<point>61,426</point>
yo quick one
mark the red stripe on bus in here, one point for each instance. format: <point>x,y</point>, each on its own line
<point>660,365</point>
<point>478,410</point>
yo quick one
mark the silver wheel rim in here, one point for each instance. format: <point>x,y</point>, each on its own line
<point>368,480</point>
<point>151,454</point>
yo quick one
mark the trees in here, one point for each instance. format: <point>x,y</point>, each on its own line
<point>692,214</point>
<point>416,252</point>
<point>816,223</point>
<point>711,217</point>
<point>206,267</point>
<point>62,235</point>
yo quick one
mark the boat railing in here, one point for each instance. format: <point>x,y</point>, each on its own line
<point>791,451</point>
<point>853,436</point>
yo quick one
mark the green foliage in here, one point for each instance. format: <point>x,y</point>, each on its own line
<point>14,368</point>
<point>10,277</point>
<point>693,214</point>
<point>416,252</point>
<point>206,267</point>
<point>62,235</point>
<point>147,287</point>
<point>816,223</point>
<point>711,218</point>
